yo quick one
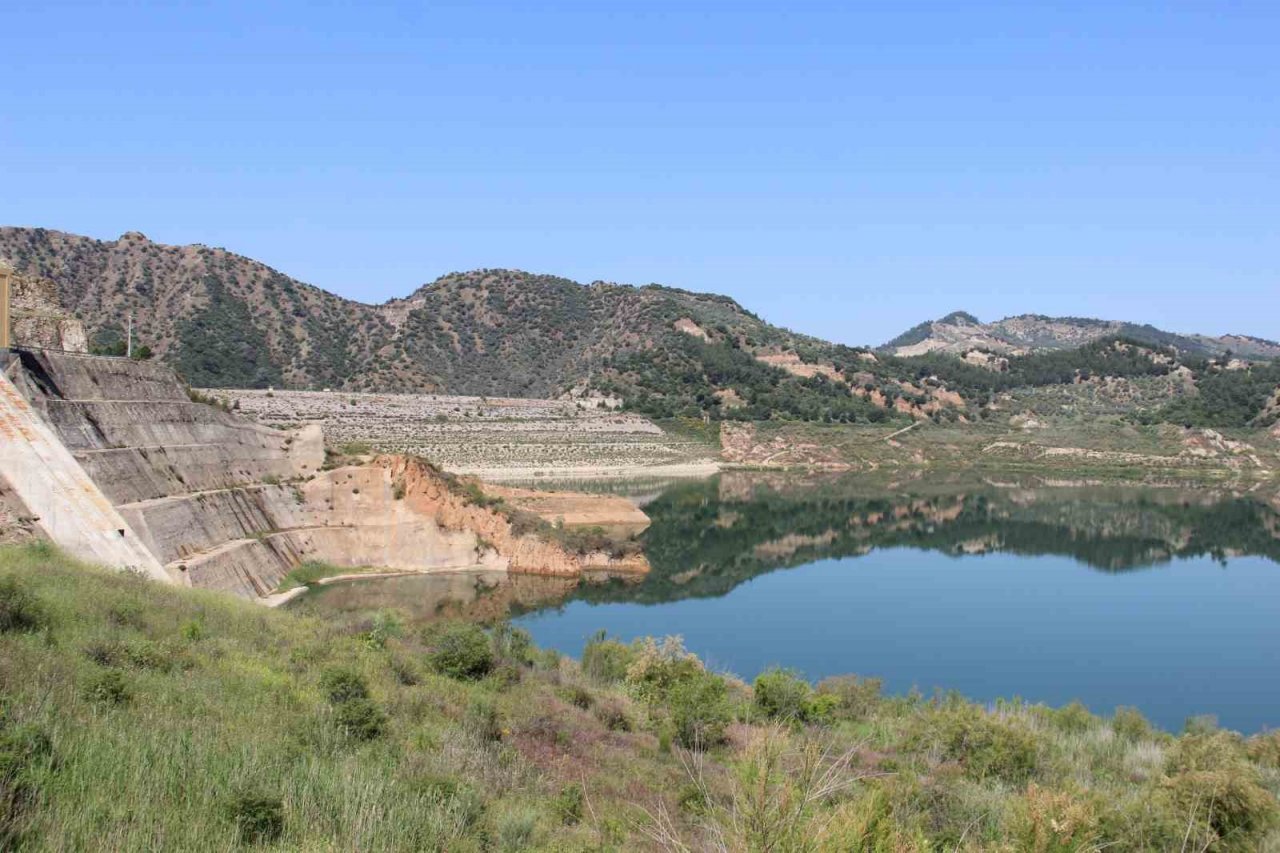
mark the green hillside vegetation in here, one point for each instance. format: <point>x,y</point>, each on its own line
<point>921,331</point>
<point>1222,398</point>
<point>689,377</point>
<point>1108,357</point>
<point>143,717</point>
<point>226,321</point>
<point>1042,332</point>
<point>1228,398</point>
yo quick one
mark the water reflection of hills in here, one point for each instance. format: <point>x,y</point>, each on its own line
<point>708,537</point>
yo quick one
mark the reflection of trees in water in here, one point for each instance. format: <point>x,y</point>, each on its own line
<point>705,540</point>
<point>707,537</point>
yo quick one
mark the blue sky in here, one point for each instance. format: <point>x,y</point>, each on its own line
<point>844,169</point>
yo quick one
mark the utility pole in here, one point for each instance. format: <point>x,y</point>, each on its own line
<point>128,341</point>
<point>6,281</point>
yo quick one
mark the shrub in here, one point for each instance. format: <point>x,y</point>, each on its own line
<point>126,613</point>
<point>1201,724</point>
<point>342,684</point>
<point>781,694</point>
<point>985,745</point>
<point>463,801</point>
<point>568,804</point>
<point>259,818</point>
<point>1129,723</point>
<point>699,711</point>
<point>692,799</point>
<point>657,668</point>
<point>612,712</point>
<point>515,830</point>
<point>139,653</point>
<point>385,626</point>
<point>460,650</point>
<point>481,720</point>
<point>856,697</point>
<point>20,610</point>
<point>580,697</point>
<point>22,749</point>
<point>511,644</point>
<point>1074,718</point>
<point>1046,821</point>
<point>1264,749</point>
<point>108,687</point>
<point>360,719</point>
<point>404,671</point>
<point>606,660</point>
<point>821,709</point>
<point>1213,783</point>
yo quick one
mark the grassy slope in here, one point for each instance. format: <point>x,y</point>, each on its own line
<point>223,702</point>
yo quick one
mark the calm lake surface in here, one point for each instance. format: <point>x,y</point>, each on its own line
<point>1167,600</point>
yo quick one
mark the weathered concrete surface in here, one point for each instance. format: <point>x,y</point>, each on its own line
<point>216,501</point>
<point>17,522</point>
<point>67,504</point>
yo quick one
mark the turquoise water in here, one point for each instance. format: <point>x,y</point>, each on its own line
<point>1165,600</point>
<point>1194,638</point>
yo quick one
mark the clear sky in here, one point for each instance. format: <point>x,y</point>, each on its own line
<point>846,169</point>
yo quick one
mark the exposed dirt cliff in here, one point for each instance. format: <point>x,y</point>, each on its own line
<point>429,493</point>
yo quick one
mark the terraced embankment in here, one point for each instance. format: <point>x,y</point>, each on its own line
<point>222,502</point>
<point>494,438</point>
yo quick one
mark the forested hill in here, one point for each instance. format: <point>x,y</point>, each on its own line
<point>224,320</point>
<point>959,332</point>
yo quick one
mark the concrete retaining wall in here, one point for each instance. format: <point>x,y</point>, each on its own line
<point>65,501</point>
<point>206,497</point>
<point>124,469</point>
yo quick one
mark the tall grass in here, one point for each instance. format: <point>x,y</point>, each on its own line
<point>135,716</point>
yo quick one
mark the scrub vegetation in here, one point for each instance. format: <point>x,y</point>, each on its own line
<point>226,321</point>
<point>137,716</point>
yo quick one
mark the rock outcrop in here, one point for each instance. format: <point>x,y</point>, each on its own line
<point>38,319</point>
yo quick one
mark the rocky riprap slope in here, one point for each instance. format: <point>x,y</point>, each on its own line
<point>480,435</point>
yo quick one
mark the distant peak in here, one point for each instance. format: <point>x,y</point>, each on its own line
<point>960,318</point>
<point>133,237</point>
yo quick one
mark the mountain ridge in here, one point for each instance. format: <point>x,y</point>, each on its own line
<point>960,332</point>
<point>227,321</point>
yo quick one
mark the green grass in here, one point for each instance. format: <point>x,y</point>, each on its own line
<point>137,716</point>
<point>314,571</point>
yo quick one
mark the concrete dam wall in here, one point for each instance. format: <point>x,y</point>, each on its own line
<point>202,497</point>
<point>51,486</point>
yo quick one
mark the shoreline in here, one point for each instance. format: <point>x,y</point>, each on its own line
<point>507,474</point>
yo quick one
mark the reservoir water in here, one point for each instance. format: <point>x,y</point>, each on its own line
<point>1163,599</point>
